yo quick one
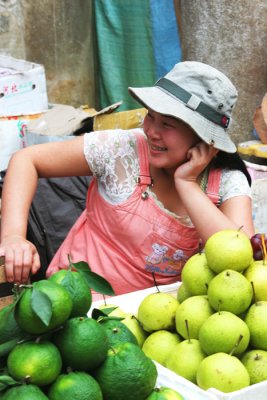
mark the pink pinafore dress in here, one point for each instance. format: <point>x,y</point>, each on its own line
<point>127,242</point>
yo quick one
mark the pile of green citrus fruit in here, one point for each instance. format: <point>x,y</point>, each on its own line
<point>51,349</point>
<point>213,331</point>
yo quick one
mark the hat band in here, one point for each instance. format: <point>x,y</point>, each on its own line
<point>203,109</point>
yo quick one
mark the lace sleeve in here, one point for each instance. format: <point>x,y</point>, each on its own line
<point>234,183</point>
<point>113,159</point>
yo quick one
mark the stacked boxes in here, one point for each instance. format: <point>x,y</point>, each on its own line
<point>23,96</point>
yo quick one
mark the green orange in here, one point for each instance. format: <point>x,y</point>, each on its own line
<point>37,362</point>
<point>82,342</point>
<point>75,385</point>
<point>24,392</point>
<point>126,373</point>
<point>117,332</point>
<point>60,301</point>
<point>78,289</point>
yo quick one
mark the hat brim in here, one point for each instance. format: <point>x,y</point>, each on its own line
<point>159,101</point>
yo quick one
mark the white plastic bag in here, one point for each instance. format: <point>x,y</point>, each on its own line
<point>12,138</point>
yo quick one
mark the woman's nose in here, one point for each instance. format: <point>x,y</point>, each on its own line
<point>153,130</point>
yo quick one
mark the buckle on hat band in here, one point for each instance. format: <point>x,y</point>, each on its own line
<point>203,109</point>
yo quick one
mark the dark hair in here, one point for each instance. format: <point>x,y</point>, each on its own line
<point>231,161</point>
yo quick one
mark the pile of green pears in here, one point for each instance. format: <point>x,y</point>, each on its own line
<point>216,335</point>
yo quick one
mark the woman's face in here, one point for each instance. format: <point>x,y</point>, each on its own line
<point>169,140</point>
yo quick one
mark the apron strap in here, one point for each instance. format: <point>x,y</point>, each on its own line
<point>213,186</point>
<point>144,178</point>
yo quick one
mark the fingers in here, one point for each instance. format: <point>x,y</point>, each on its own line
<point>202,153</point>
<point>52,270</point>
<point>36,263</point>
<point>20,260</point>
<point>17,265</point>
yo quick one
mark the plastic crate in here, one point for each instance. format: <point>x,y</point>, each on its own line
<point>259,195</point>
<point>130,303</point>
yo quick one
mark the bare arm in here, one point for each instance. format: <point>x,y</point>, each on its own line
<point>26,166</point>
<point>206,217</point>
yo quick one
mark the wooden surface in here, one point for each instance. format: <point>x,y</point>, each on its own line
<point>2,273</point>
<point>5,300</point>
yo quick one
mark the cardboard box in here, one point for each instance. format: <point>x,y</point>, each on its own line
<point>62,122</point>
<point>22,87</point>
<point>130,303</point>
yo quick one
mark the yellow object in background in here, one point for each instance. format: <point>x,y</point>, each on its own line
<point>253,148</point>
<point>261,151</point>
<point>120,120</point>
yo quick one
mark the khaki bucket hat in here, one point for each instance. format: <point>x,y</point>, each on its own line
<point>199,95</point>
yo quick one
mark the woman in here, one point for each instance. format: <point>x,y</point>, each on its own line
<point>157,192</point>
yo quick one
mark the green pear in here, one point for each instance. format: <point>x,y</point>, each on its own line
<point>223,332</point>
<point>228,249</point>
<point>256,320</point>
<point>222,372</point>
<point>196,274</point>
<point>230,291</point>
<point>159,344</point>
<point>135,327</point>
<point>157,311</point>
<point>255,362</point>
<point>185,359</point>
<point>182,293</point>
<point>164,393</point>
<point>191,314</point>
<point>256,274</point>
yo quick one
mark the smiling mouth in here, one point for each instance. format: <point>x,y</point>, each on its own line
<point>157,148</point>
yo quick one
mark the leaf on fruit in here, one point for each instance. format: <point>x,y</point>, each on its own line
<point>68,282</point>
<point>6,347</point>
<point>100,315</point>
<point>81,266</point>
<point>6,381</point>
<point>94,281</point>
<point>97,283</point>
<point>41,306</point>
<point>109,310</point>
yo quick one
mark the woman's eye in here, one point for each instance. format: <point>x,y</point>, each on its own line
<point>168,125</point>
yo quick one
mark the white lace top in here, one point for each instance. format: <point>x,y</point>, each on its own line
<point>112,157</point>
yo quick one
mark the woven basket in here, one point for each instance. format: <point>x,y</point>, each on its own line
<point>6,295</point>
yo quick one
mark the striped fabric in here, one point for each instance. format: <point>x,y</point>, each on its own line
<point>137,42</point>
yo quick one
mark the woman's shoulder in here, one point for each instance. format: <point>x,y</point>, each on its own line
<point>112,152</point>
<point>233,174</point>
<point>233,183</point>
<point>113,135</point>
